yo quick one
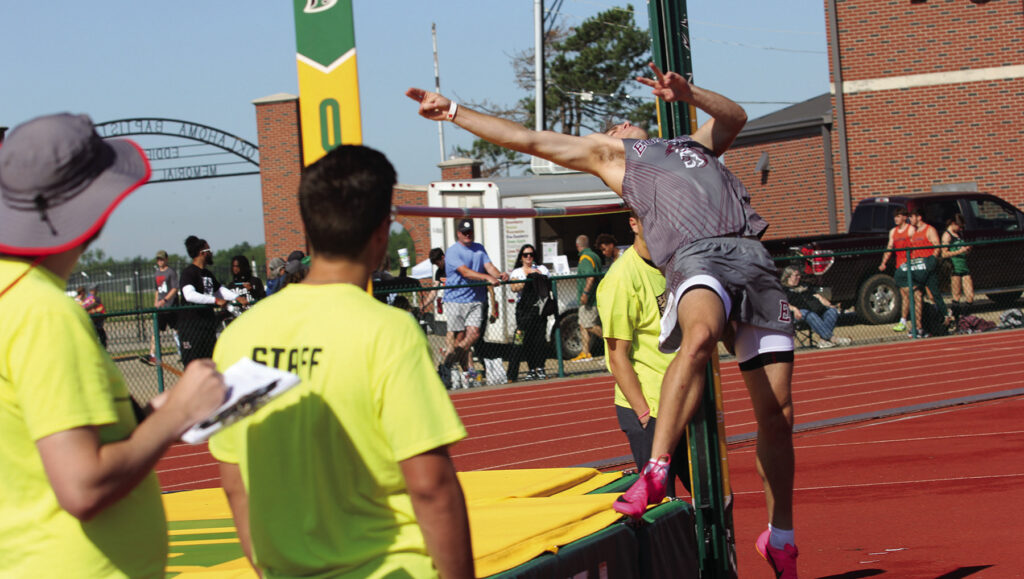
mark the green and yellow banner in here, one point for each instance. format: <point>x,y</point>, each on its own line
<point>328,80</point>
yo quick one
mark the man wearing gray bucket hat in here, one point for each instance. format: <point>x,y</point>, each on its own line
<point>78,496</point>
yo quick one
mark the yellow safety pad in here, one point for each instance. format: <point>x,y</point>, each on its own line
<point>513,531</point>
<point>514,516</point>
<point>486,485</point>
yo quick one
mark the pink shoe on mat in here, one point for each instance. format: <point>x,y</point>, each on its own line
<point>649,489</point>
<point>783,561</point>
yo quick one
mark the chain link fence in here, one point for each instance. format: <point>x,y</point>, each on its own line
<point>864,306</point>
<point>131,286</point>
<point>865,298</point>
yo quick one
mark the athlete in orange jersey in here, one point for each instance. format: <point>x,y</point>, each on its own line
<point>899,240</point>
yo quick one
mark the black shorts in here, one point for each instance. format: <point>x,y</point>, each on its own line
<point>198,337</point>
<point>166,320</point>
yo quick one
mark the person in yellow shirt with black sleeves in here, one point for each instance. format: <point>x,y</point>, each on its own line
<point>631,300</point>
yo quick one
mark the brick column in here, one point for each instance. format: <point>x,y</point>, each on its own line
<point>460,168</point>
<point>418,227</point>
<point>277,126</point>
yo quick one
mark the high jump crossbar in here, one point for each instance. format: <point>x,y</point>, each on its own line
<point>507,212</point>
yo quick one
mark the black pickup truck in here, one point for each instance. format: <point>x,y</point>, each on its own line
<point>997,269</point>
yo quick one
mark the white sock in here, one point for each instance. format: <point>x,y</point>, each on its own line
<point>779,538</point>
<point>658,465</point>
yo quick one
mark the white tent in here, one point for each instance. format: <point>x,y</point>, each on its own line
<point>422,270</point>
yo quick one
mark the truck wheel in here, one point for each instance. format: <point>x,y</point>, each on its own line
<point>1004,300</point>
<point>879,301</point>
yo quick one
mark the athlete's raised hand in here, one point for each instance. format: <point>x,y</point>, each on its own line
<point>432,105</point>
<point>668,86</point>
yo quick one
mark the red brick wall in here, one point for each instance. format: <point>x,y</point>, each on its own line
<point>277,125</point>
<point>881,38</point>
<point>906,141</point>
<point>909,139</point>
<point>792,197</point>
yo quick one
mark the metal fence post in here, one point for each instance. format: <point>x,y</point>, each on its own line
<point>910,296</point>
<point>558,330</point>
<point>138,304</point>
<point>157,351</point>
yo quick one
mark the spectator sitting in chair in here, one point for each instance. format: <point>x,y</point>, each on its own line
<point>813,308</point>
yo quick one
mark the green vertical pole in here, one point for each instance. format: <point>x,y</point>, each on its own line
<point>558,332</point>
<point>158,353</point>
<point>910,296</point>
<point>670,50</point>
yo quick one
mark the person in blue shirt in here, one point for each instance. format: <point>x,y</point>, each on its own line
<point>466,262</point>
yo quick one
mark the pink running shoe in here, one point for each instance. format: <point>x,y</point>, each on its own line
<point>783,561</point>
<point>649,489</point>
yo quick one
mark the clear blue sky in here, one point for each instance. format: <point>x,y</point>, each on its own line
<point>206,61</point>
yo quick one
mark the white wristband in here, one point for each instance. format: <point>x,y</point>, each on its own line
<point>452,110</point>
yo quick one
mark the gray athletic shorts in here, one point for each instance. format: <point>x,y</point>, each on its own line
<point>461,315</point>
<point>588,316</point>
<point>743,275</point>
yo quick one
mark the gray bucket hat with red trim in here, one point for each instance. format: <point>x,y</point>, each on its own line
<point>59,182</point>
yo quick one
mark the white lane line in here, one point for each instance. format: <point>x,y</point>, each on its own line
<point>895,483</point>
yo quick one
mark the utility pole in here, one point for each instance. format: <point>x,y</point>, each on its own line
<point>437,86</point>
<point>538,62</point>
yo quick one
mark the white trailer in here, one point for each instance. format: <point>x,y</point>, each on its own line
<point>503,237</point>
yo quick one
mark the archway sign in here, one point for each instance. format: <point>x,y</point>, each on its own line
<point>184,151</point>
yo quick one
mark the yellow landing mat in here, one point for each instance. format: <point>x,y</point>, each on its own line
<point>514,516</point>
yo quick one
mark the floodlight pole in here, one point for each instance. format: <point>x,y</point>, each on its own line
<point>437,85</point>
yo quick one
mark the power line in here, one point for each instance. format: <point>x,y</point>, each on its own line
<point>742,45</point>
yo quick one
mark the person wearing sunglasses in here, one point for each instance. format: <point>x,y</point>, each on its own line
<point>532,294</point>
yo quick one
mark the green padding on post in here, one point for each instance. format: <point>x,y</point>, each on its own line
<point>667,542</point>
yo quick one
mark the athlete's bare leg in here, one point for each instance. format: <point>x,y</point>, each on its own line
<point>702,320</point>
<point>770,389</point>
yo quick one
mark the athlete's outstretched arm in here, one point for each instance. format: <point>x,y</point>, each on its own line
<point>727,117</point>
<point>597,154</point>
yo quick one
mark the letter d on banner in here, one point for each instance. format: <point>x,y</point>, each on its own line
<point>328,79</point>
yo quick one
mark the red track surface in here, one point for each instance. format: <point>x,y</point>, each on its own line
<point>940,487</point>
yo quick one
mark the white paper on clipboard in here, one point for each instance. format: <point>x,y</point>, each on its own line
<point>250,386</point>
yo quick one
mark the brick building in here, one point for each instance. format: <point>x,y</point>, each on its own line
<point>931,94</point>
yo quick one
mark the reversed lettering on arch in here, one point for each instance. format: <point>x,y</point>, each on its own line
<point>183,129</point>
